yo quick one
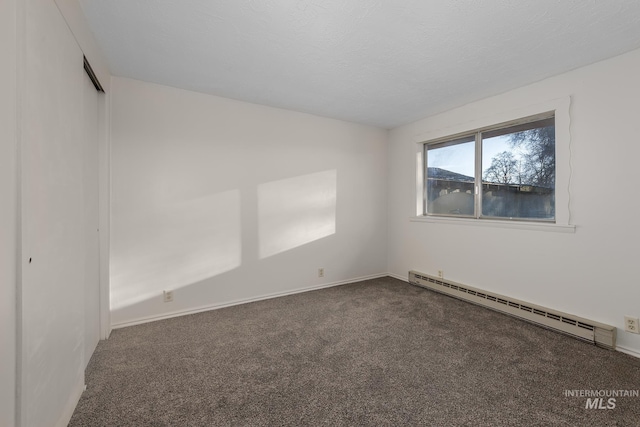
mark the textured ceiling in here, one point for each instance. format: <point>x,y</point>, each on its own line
<point>383,63</point>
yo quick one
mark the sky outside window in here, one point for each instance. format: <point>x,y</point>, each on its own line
<point>459,158</point>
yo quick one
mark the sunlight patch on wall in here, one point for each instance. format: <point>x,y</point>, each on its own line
<point>296,211</point>
<point>173,248</point>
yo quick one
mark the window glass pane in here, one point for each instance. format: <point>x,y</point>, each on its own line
<point>519,172</point>
<point>450,178</point>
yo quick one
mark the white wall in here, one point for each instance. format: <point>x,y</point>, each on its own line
<point>590,273</point>
<point>74,16</point>
<point>223,201</point>
<point>90,183</point>
<point>50,320</point>
<point>8,212</point>
<point>77,22</point>
<point>52,294</point>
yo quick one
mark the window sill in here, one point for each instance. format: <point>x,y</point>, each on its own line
<point>521,225</point>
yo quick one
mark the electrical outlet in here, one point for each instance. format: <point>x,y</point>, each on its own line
<point>440,274</point>
<point>631,324</point>
<point>168,296</point>
<point>321,272</point>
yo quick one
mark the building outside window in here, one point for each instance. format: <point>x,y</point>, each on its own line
<point>507,171</point>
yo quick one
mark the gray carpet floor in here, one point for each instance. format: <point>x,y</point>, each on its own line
<point>378,353</point>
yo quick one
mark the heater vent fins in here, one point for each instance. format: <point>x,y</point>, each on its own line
<point>585,329</point>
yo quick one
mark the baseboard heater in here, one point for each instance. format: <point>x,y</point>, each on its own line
<point>600,334</point>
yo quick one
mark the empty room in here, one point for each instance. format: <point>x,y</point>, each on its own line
<point>306,212</point>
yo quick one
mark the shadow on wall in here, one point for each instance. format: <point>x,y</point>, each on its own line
<point>296,211</point>
<point>177,246</point>
<point>186,243</point>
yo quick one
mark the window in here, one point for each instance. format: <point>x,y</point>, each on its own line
<point>507,171</point>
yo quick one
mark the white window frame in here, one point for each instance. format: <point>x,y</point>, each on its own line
<point>561,111</point>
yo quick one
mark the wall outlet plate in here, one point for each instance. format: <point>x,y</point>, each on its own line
<point>168,296</point>
<point>631,324</point>
<point>321,272</point>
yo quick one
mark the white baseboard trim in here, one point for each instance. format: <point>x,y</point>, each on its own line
<point>399,277</point>
<point>208,307</point>
<point>148,319</point>
<point>70,407</point>
<point>628,351</point>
